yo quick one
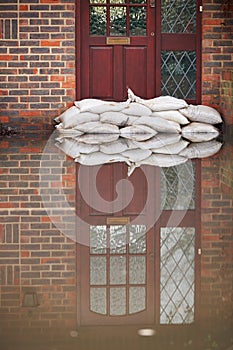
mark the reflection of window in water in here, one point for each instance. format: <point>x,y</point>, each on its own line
<point>118,276</point>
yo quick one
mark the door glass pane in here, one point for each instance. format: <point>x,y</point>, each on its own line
<point>117,270</point>
<point>137,239</point>
<point>178,16</point>
<point>98,239</point>
<point>98,270</point>
<point>179,74</point>
<point>117,301</point>
<point>137,21</point>
<point>178,187</point>
<point>98,300</point>
<point>177,275</point>
<point>98,1</point>
<point>117,239</point>
<point>98,20</point>
<point>118,21</point>
<point>137,299</point>
<point>137,269</point>
<point>137,1</point>
<point>117,1</point>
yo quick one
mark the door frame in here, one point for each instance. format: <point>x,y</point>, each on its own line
<point>158,47</point>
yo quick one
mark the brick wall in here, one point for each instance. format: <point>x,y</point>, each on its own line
<point>217,47</point>
<point>216,236</point>
<point>34,253</point>
<point>226,96</point>
<point>37,56</point>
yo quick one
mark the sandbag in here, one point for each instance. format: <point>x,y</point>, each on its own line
<point>136,109</point>
<point>131,119</point>
<point>197,132</point>
<point>97,139</point>
<point>108,107</point>
<point>174,116</point>
<point>201,150</point>
<point>137,132</point>
<point>73,148</point>
<point>173,148</point>
<point>98,128</point>
<point>114,147</point>
<point>68,116</point>
<point>98,158</point>
<point>161,103</point>
<point>163,160</point>
<point>136,155</point>
<point>159,124</point>
<point>115,118</point>
<point>87,103</point>
<point>158,141</point>
<point>201,113</point>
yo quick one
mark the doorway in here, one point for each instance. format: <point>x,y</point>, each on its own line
<point>153,47</point>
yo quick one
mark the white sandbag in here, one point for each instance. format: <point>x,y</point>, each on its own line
<point>116,118</point>
<point>131,119</point>
<point>137,132</point>
<point>136,109</point>
<point>197,132</point>
<point>98,128</point>
<point>68,132</point>
<point>85,104</point>
<point>67,146</point>
<point>98,158</point>
<point>108,107</point>
<point>158,141</point>
<point>73,148</point>
<point>68,116</point>
<point>97,139</point>
<point>114,147</point>
<point>80,118</point>
<point>201,113</point>
<point>201,136</point>
<point>174,116</point>
<point>201,150</point>
<point>159,124</point>
<point>163,160</point>
<point>161,103</point>
<point>173,148</point>
<point>136,155</point>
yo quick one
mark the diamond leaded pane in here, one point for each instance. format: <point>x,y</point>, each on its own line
<point>178,16</point>
<point>179,74</point>
<point>177,275</point>
<point>178,187</point>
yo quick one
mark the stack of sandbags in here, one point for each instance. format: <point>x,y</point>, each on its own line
<point>156,131</point>
<point>162,150</point>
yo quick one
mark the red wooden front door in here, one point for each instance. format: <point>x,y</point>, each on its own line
<point>151,46</point>
<point>117,48</point>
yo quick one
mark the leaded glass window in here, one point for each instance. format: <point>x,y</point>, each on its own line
<point>178,16</point>
<point>177,275</point>
<point>179,74</point>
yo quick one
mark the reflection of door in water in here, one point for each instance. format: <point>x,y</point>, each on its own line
<point>128,275</point>
<point>151,46</point>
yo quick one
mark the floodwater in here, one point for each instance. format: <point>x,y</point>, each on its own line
<point>119,257</point>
